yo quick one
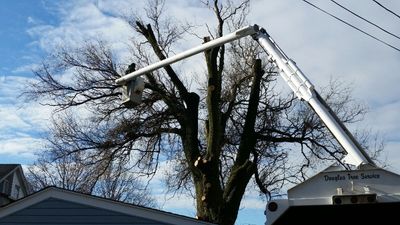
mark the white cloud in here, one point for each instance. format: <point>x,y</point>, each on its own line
<point>253,202</point>
<point>392,156</point>
<point>181,204</point>
<point>324,47</point>
<point>11,120</point>
<point>16,114</point>
<point>20,123</point>
<point>385,118</point>
<point>83,22</point>
<point>31,20</point>
<point>121,7</point>
<point>26,68</point>
<point>23,147</point>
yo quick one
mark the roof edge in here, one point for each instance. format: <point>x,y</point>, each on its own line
<point>98,202</point>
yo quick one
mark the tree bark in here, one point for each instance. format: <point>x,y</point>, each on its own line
<point>243,169</point>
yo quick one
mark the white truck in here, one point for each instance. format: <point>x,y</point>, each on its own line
<point>366,184</point>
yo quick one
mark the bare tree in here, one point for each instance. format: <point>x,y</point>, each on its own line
<point>113,181</point>
<point>235,129</point>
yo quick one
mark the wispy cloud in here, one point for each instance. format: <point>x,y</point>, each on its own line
<point>385,117</point>
<point>324,48</point>
<point>26,68</point>
<point>84,22</point>
<point>389,157</point>
<point>23,147</point>
<point>21,124</point>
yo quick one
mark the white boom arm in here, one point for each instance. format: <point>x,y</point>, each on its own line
<point>246,31</point>
<point>293,76</point>
<point>304,90</point>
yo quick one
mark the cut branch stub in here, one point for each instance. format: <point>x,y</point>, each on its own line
<point>201,163</point>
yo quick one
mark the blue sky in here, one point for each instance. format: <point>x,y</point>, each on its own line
<point>321,46</point>
<point>17,46</point>
<point>18,54</point>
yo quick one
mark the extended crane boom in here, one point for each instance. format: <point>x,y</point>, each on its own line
<point>243,32</point>
<point>293,76</point>
<point>304,90</point>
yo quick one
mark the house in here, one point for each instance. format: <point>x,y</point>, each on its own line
<point>59,206</point>
<point>54,205</point>
<point>13,185</point>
